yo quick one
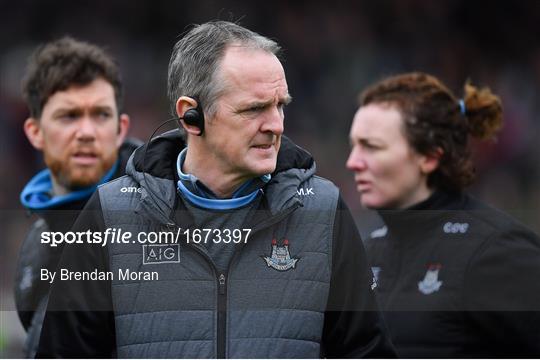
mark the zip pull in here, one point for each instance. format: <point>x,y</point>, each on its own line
<point>222,284</point>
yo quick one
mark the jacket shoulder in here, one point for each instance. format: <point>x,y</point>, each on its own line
<point>318,190</point>
<point>119,192</point>
<point>325,185</point>
<point>119,184</point>
<point>32,252</point>
<point>323,181</point>
<point>37,228</point>
<point>502,273</point>
<point>495,221</point>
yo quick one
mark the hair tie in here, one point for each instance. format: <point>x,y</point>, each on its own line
<point>462,107</point>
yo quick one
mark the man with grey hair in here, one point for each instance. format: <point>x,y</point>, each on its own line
<point>264,260</point>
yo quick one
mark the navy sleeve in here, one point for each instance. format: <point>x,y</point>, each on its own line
<point>502,293</point>
<point>353,325</point>
<point>29,290</point>
<point>79,320</point>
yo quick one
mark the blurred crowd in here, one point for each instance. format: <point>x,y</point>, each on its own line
<point>331,51</point>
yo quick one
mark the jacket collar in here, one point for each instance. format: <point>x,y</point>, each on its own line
<point>154,169</point>
<point>413,221</point>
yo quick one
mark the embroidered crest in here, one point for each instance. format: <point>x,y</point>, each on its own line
<point>281,258</point>
<point>431,282</point>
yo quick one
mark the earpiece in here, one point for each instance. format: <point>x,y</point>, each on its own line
<point>194,117</point>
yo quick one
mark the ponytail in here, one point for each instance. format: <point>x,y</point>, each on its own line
<point>483,111</point>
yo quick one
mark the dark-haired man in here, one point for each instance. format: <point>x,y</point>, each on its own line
<point>73,90</point>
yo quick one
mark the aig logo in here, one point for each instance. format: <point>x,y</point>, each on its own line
<point>454,228</point>
<point>130,189</point>
<point>161,254</point>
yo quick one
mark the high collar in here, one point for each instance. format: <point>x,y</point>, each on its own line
<point>201,195</point>
<point>198,188</point>
<point>419,216</point>
<point>60,214</point>
<point>159,158</point>
<point>38,193</point>
<point>154,169</point>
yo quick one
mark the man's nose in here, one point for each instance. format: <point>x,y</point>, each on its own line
<point>273,122</point>
<point>86,129</point>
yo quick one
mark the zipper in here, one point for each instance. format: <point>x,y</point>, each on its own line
<point>221,303</point>
<point>222,317</point>
<point>222,279</point>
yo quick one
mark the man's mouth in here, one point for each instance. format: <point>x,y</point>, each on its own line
<point>85,158</point>
<point>263,146</point>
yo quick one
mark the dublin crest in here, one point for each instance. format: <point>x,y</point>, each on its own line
<point>431,283</point>
<point>281,258</point>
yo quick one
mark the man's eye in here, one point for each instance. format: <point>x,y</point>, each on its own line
<point>68,116</point>
<point>256,108</point>
<point>104,114</point>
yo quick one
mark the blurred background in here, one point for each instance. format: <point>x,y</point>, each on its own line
<point>332,49</point>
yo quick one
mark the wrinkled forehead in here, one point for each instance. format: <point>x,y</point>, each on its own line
<point>253,70</point>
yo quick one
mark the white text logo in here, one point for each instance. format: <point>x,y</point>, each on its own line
<point>305,192</point>
<point>454,228</point>
<point>130,189</point>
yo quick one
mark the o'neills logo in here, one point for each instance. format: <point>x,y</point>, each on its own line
<point>130,189</point>
<point>281,258</point>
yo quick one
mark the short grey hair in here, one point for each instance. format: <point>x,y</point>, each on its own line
<point>193,68</point>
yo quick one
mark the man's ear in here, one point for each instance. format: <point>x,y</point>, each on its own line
<point>123,127</point>
<point>34,133</point>
<point>430,162</point>
<point>183,104</point>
